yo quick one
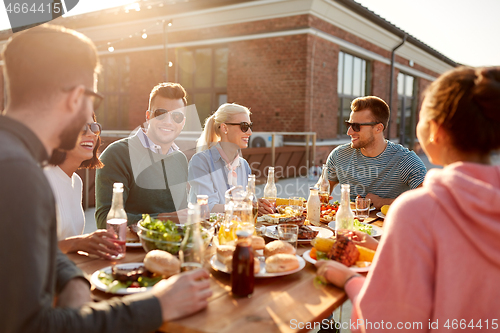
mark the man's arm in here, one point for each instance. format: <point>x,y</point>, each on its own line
<point>332,185</point>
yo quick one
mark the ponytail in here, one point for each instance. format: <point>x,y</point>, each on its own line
<point>209,136</point>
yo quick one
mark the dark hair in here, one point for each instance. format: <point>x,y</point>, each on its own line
<point>44,60</point>
<point>466,103</point>
<point>379,108</point>
<point>59,156</point>
<point>168,90</point>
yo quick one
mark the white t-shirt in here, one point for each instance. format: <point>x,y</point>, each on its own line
<point>68,195</point>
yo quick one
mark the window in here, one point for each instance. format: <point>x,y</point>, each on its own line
<point>113,83</point>
<point>352,83</point>
<point>203,73</point>
<point>406,122</point>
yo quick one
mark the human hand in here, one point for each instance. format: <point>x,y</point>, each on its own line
<point>74,294</point>
<point>333,272</point>
<point>98,243</point>
<point>363,239</point>
<point>376,200</point>
<point>183,294</point>
<point>265,207</point>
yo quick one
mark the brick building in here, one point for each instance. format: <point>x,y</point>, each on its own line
<point>297,64</point>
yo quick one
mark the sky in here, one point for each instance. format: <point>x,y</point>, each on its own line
<point>463,30</point>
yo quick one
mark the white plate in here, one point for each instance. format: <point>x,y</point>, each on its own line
<point>308,258</point>
<point>94,279</point>
<point>138,244</point>
<point>218,266</point>
<point>376,231</point>
<point>272,232</point>
<point>381,215</point>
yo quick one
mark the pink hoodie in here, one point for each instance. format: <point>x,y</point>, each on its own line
<point>438,264</point>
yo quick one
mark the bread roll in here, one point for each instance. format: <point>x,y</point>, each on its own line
<point>224,251</point>
<point>278,246</point>
<point>162,262</point>
<point>281,262</point>
<point>258,243</point>
<point>229,264</point>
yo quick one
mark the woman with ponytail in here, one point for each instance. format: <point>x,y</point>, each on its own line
<point>439,261</point>
<point>218,165</point>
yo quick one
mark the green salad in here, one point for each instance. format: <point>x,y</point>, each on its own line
<point>366,228</point>
<point>114,285</point>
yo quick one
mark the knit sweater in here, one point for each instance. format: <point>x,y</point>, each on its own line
<point>439,259</point>
<point>152,183</point>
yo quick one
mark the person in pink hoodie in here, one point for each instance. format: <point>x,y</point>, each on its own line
<point>437,267</point>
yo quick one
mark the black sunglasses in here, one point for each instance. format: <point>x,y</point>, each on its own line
<point>356,127</point>
<point>244,126</point>
<point>160,114</point>
<point>93,127</point>
<point>95,96</point>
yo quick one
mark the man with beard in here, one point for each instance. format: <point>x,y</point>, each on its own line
<point>49,73</point>
<point>149,164</point>
<point>374,167</point>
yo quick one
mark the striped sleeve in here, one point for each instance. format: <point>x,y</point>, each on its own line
<point>412,170</point>
<point>330,163</point>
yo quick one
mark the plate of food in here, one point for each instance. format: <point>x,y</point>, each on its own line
<point>124,279</point>
<point>259,267</point>
<point>381,215</point>
<point>278,259</point>
<point>355,268</point>
<point>306,233</point>
<point>132,239</point>
<point>369,229</point>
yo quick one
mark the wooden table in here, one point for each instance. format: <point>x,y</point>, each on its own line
<point>278,304</point>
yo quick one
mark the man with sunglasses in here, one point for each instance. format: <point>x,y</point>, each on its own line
<point>374,167</point>
<point>149,164</point>
<point>49,71</point>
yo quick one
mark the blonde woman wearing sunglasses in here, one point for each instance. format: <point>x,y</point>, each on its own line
<point>219,164</point>
<point>67,188</point>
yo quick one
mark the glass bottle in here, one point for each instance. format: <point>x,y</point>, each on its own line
<point>242,274</point>
<point>202,201</point>
<point>252,196</point>
<point>323,185</point>
<point>116,221</point>
<point>345,216</point>
<point>242,206</point>
<point>313,207</point>
<point>270,191</point>
<point>191,251</point>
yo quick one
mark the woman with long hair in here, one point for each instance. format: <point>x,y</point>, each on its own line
<point>438,262</point>
<point>218,164</point>
<point>67,188</point>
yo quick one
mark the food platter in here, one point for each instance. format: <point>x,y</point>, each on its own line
<point>376,231</point>
<point>218,266</point>
<point>272,232</point>
<point>134,244</point>
<point>94,279</point>
<point>308,258</point>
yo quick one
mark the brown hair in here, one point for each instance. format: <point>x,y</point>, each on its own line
<point>379,108</point>
<point>168,90</point>
<point>59,156</point>
<point>465,102</point>
<point>44,60</point>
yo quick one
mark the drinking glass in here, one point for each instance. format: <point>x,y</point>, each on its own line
<point>288,233</point>
<point>296,201</point>
<point>362,208</point>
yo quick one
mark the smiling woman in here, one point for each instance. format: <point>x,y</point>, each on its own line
<point>218,165</point>
<point>67,188</point>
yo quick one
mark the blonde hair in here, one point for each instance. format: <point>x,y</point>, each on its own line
<point>211,132</point>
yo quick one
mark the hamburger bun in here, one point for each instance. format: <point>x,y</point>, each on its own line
<point>281,262</point>
<point>162,263</point>
<point>276,247</point>
<point>258,243</point>
<point>229,264</point>
<point>224,251</point>
<point>131,236</point>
